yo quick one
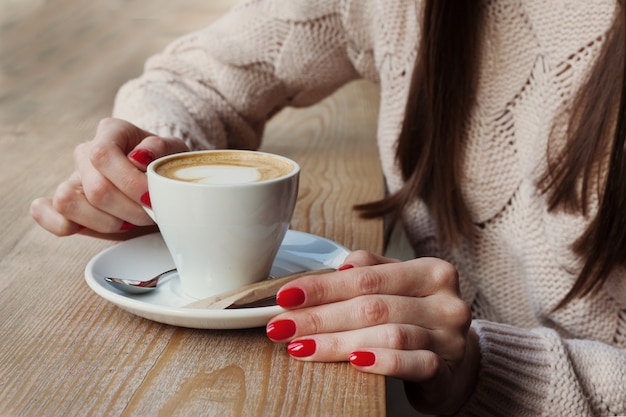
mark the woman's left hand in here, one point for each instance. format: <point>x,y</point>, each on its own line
<point>400,319</point>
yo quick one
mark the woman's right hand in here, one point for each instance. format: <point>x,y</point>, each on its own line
<point>105,192</point>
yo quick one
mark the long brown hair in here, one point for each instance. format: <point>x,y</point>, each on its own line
<point>441,100</point>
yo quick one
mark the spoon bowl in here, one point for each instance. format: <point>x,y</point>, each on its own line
<point>133,286</point>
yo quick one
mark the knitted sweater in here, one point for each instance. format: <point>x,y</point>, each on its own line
<point>217,88</point>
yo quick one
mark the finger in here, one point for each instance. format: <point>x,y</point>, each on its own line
<point>118,184</point>
<point>411,365</point>
<point>96,163</point>
<point>416,362</point>
<point>418,278</point>
<point>70,202</point>
<point>333,347</point>
<point>47,217</point>
<point>103,164</point>
<point>448,318</point>
<point>106,161</point>
<point>123,134</point>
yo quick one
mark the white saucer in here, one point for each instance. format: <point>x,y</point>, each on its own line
<point>146,256</point>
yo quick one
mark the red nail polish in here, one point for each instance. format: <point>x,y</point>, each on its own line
<point>127,226</point>
<point>302,348</point>
<point>290,297</point>
<point>142,156</point>
<point>345,266</point>
<point>361,358</point>
<point>281,329</point>
<point>145,199</point>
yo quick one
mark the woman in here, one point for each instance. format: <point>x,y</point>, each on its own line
<point>501,135</point>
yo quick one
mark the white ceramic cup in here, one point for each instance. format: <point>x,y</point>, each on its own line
<point>224,227</point>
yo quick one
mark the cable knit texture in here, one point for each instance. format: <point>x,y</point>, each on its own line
<point>217,87</point>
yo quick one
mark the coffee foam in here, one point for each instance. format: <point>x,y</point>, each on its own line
<point>219,174</point>
<point>221,168</point>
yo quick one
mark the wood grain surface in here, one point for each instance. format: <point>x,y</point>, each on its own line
<point>64,351</point>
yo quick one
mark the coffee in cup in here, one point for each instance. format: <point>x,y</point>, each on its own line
<point>224,167</point>
<point>223,214</point>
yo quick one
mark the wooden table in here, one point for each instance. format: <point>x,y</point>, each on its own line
<point>66,352</point>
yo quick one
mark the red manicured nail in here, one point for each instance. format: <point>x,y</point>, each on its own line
<point>290,297</point>
<point>362,358</point>
<point>145,199</point>
<point>345,266</point>
<point>301,348</point>
<point>142,156</point>
<point>127,226</point>
<point>281,329</point>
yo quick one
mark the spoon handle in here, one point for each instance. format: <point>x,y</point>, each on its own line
<point>250,293</point>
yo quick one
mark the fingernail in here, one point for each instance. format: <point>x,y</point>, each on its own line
<point>281,329</point>
<point>145,199</point>
<point>142,156</point>
<point>290,297</point>
<point>360,358</point>
<point>127,226</point>
<point>345,266</point>
<point>301,348</point>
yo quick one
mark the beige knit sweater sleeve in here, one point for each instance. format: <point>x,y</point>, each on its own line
<point>538,373</point>
<point>217,88</point>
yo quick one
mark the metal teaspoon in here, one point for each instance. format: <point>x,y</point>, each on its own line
<point>237,298</point>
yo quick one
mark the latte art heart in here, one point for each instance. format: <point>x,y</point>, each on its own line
<point>219,174</point>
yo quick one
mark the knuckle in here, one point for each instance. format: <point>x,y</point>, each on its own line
<point>445,275</point>
<point>429,364</point>
<point>99,154</point>
<point>368,282</point>
<point>373,310</point>
<point>97,191</point>
<point>108,123</point>
<point>64,199</point>
<point>82,153</point>
<point>456,347</point>
<point>132,184</point>
<point>395,365</point>
<point>312,323</point>
<point>460,313</point>
<point>335,345</point>
<point>398,338</point>
<point>316,291</point>
<point>362,257</point>
<point>456,313</point>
